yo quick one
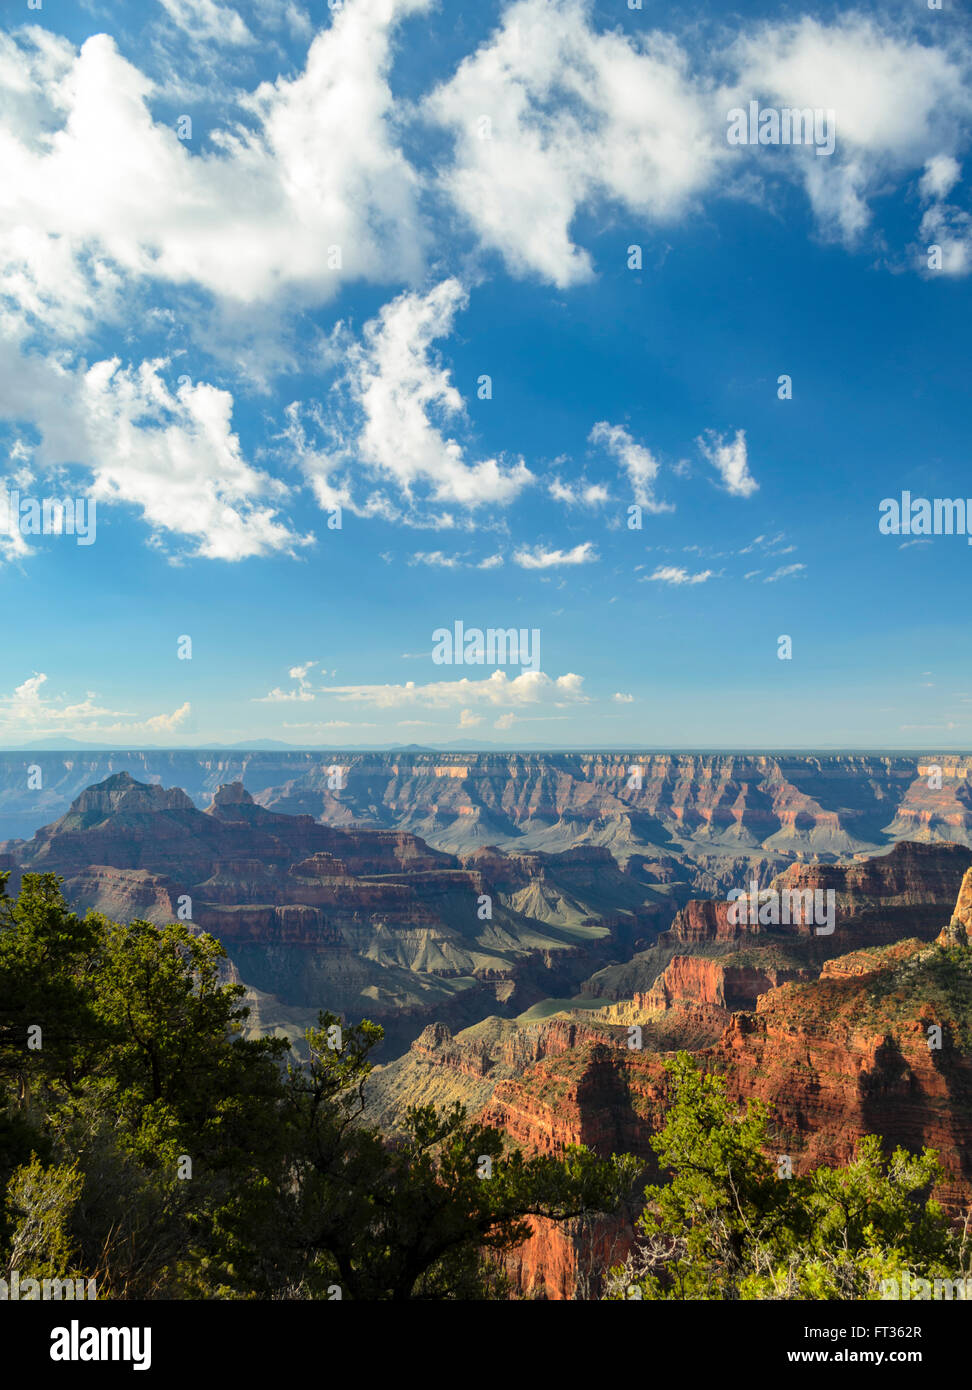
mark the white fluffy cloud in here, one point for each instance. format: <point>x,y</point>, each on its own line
<point>27,713</point>
<point>950,229</point>
<point>172,454</point>
<point>581,494</point>
<point>730,461</point>
<point>105,212</point>
<point>549,116</point>
<point>941,175</point>
<point>898,103</point>
<point>399,403</point>
<point>98,194</point>
<point>300,693</point>
<point>635,460</point>
<point>95,188</point>
<point>541,559</point>
<point>205,21</point>
<point>100,201</point>
<point>528,688</point>
<point>943,225</point>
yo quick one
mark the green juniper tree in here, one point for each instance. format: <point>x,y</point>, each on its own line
<point>726,1225</point>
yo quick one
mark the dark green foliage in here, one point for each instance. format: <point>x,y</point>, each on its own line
<point>148,1143</point>
<point>727,1225</point>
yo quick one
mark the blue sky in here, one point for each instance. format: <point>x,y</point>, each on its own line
<point>131,258</point>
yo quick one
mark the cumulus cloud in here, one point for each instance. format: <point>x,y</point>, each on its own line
<point>941,175</point>
<point>95,190</point>
<point>578,494</point>
<point>99,196</point>
<point>105,212</point>
<point>549,116</point>
<point>950,229</point>
<point>730,461</point>
<point>399,401</point>
<point>27,707</point>
<point>898,103</point>
<point>943,225</point>
<point>528,688</point>
<point>13,546</point>
<point>635,460</point>
<point>163,723</point>
<point>173,454</point>
<point>302,691</point>
<point>26,712</point>
<point>540,558</point>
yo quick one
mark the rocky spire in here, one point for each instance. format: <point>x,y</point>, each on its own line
<point>232,794</point>
<point>957,931</point>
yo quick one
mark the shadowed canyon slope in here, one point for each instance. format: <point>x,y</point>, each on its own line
<point>365,922</point>
<point>685,991</point>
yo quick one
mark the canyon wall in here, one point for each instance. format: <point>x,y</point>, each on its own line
<point>366,922</point>
<point>803,804</point>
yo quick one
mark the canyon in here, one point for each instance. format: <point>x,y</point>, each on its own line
<point>784,805</point>
<point>836,1034</point>
<point>365,922</point>
<point>537,936</point>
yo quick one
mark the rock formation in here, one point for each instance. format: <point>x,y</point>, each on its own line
<point>720,805</point>
<point>876,1039</point>
<point>367,922</point>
